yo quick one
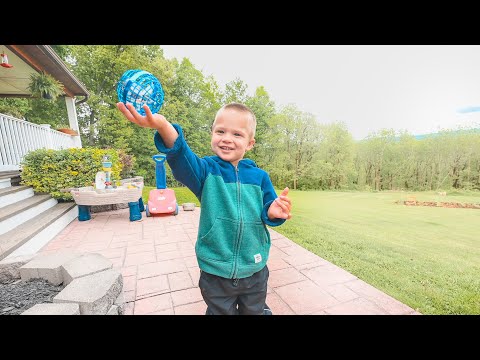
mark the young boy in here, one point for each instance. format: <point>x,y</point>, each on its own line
<point>238,200</point>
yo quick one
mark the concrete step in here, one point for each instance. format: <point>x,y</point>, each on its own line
<point>13,215</point>
<point>28,221</point>
<point>13,194</point>
<point>9,173</point>
<point>33,234</point>
<point>5,183</point>
<point>13,175</point>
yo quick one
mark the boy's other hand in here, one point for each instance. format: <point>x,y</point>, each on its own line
<point>153,121</point>
<point>281,207</point>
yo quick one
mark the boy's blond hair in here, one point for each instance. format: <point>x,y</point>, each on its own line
<point>242,108</point>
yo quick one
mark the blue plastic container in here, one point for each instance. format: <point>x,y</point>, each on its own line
<point>139,87</point>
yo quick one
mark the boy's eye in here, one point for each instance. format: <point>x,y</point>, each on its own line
<point>237,134</point>
<point>219,131</point>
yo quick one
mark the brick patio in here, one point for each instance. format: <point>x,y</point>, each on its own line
<point>157,259</point>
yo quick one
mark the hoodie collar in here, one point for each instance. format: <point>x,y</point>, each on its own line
<point>241,163</point>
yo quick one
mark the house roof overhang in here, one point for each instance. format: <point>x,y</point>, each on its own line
<point>27,59</point>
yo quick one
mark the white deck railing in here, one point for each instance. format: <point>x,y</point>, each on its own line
<point>19,137</point>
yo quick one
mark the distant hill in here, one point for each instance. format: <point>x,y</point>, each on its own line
<point>423,136</point>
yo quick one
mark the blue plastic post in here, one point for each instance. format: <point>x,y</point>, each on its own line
<point>160,173</point>
<point>134,211</point>
<point>84,213</point>
<point>140,205</point>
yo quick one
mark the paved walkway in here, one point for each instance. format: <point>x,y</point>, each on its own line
<point>157,259</point>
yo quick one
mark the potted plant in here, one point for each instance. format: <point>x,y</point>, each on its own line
<point>45,85</point>
<point>65,129</point>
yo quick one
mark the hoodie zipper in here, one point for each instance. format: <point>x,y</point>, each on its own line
<point>240,229</point>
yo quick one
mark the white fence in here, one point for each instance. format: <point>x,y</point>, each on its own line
<point>19,137</point>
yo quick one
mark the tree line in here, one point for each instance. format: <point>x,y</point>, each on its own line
<point>291,145</point>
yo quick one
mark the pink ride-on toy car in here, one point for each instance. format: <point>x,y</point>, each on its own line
<point>161,200</point>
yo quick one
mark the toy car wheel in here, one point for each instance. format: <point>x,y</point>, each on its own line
<point>146,211</point>
<point>176,210</point>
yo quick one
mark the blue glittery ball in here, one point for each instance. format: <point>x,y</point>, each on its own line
<point>139,87</point>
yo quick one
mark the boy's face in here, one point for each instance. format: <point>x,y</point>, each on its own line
<point>232,135</point>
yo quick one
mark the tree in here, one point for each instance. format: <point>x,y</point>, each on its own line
<point>235,91</point>
<point>100,67</point>
<point>196,102</point>
<point>293,141</point>
<point>14,107</point>
<point>334,160</point>
<point>264,109</point>
<point>376,145</point>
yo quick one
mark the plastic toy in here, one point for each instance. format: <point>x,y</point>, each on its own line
<point>100,179</point>
<point>105,193</point>
<point>107,167</point>
<point>139,87</point>
<point>161,200</point>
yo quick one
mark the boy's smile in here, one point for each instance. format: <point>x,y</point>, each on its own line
<point>232,135</point>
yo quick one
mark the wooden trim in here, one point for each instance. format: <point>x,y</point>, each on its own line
<point>32,62</point>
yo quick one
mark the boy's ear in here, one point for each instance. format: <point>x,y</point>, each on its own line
<point>250,144</point>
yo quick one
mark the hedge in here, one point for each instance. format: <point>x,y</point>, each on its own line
<point>49,171</point>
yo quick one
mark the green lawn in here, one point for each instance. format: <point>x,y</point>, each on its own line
<point>425,257</point>
<point>183,195</point>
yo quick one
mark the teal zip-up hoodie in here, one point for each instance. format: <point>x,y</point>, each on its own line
<point>233,240</point>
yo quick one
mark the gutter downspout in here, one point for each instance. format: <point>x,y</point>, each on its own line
<point>82,101</point>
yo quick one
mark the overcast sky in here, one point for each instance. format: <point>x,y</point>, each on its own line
<point>419,88</point>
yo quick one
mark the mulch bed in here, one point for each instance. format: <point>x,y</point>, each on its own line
<point>440,204</point>
<point>16,295</point>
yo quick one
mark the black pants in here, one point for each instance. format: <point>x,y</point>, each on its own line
<point>235,296</point>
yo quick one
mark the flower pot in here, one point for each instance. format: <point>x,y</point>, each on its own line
<point>45,86</point>
<point>46,95</point>
<point>188,206</point>
<point>68,131</point>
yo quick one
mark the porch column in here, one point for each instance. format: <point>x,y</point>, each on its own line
<point>72,119</point>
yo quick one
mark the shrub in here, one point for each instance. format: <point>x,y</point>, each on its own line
<point>128,162</point>
<point>49,171</point>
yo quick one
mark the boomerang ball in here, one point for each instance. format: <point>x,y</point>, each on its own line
<point>139,87</point>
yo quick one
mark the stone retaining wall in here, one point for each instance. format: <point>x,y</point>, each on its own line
<point>92,286</point>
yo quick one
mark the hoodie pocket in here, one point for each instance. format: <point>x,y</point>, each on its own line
<point>254,243</point>
<point>218,243</point>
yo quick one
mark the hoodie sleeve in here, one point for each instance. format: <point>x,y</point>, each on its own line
<point>186,166</point>
<point>269,195</point>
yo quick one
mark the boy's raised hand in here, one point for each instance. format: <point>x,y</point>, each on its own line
<point>281,207</point>
<point>153,121</point>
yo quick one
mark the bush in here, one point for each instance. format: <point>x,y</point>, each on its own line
<point>49,171</point>
<point>128,162</point>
